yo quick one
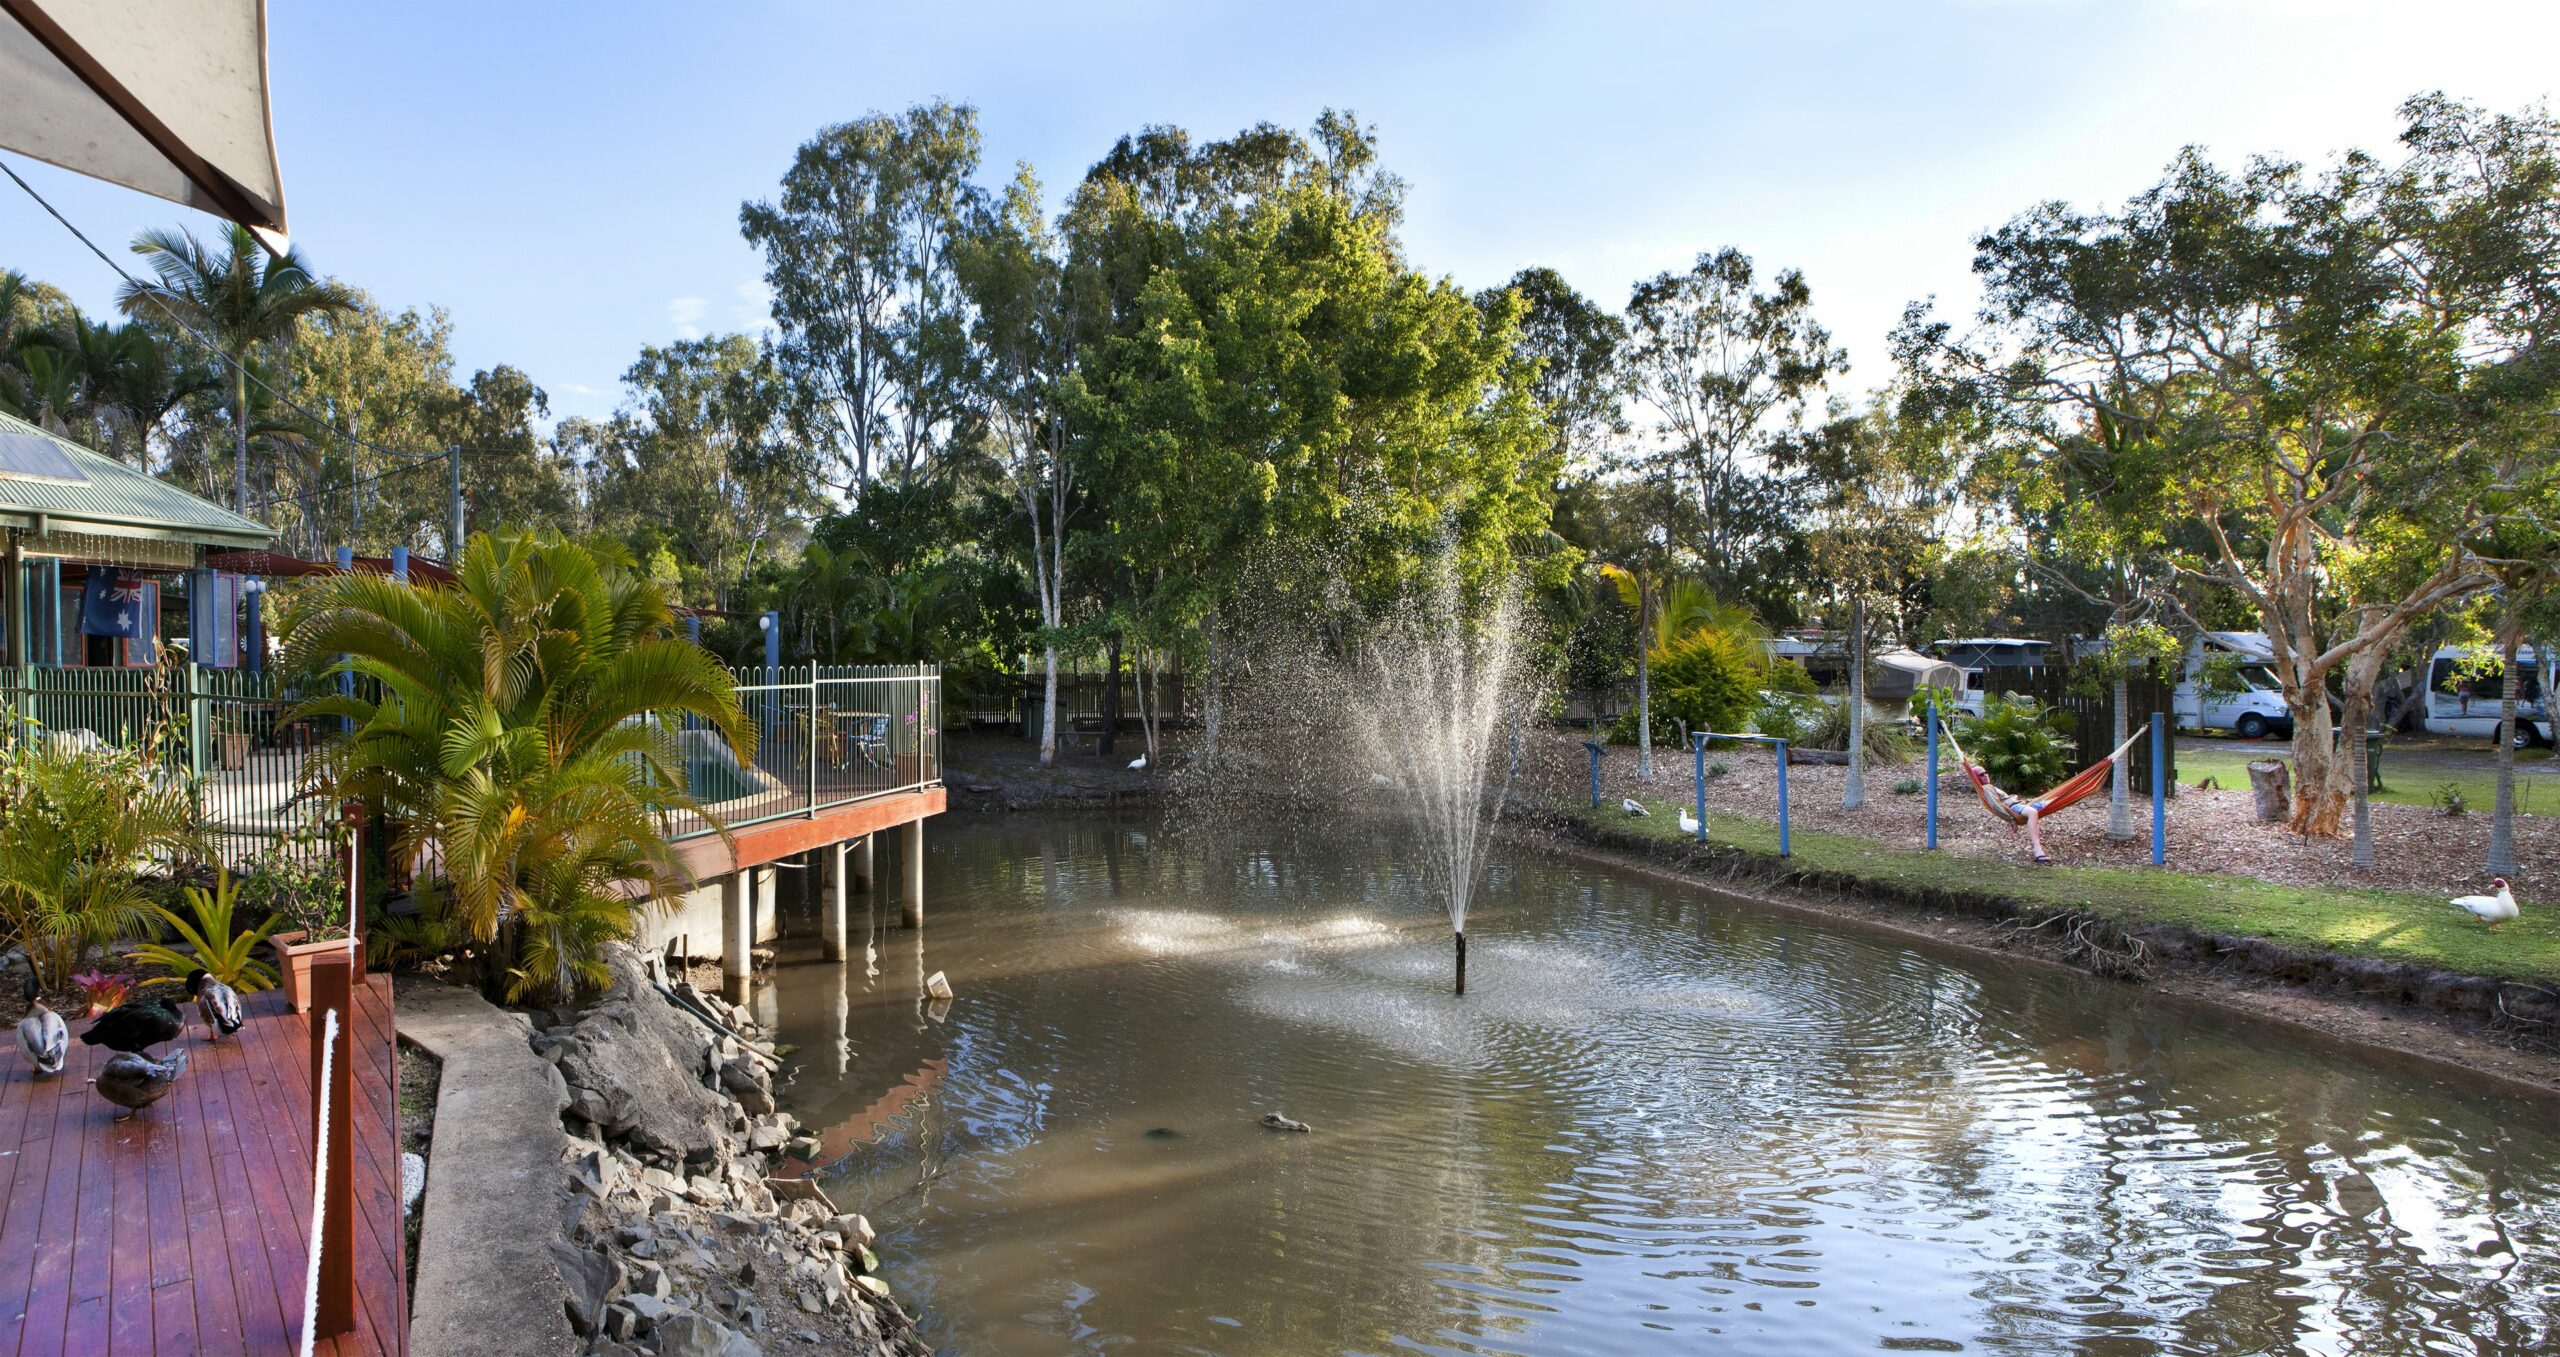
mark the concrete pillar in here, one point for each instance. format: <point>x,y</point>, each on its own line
<point>862,862</point>
<point>831,911</point>
<point>911,858</point>
<point>737,935</point>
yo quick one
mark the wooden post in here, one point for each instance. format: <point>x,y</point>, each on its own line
<point>333,989</point>
<point>352,812</point>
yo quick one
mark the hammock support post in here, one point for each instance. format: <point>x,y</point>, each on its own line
<point>1594,747</point>
<point>1698,780</point>
<point>2159,790</point>
<point>1783,849</point>
<point>1699,740</point>
<point>1932,784</point>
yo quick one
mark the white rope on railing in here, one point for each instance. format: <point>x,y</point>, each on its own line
<point>319,1180</point>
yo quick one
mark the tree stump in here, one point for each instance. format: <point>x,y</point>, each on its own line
<point>2271,781</point>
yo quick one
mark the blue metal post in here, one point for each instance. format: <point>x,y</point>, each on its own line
<point>773,647</point>
<point>2159,789</point>
<point>693,627</point>
<point>346,682</point>
<point>1933,775</point>
<point>1698,743</point>
<point>255,642</point>
<point>1784,849</point>
<point>400,564</point>
<point>1594,747</point>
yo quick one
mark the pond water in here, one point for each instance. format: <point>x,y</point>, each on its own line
<point>1660,1121</point>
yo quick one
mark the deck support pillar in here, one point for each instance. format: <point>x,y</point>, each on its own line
<point>831,902</point>
<point>737,934</point>
<point>862,862</point>
<point>333,991</point>
<point>911,859</point>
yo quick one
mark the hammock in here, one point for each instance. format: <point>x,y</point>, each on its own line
<point>2014,809</point>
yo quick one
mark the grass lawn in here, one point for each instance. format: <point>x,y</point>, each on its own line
<point>2392,924</point>
<point>2407,782</point>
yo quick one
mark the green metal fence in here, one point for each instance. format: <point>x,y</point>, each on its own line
<point>223,731</point>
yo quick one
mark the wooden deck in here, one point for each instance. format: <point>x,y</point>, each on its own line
<point>183,1230</point>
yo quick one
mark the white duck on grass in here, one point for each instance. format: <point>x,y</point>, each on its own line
<point>2493,909</point>
<point>1688,822</point>
<point>1632,806</point>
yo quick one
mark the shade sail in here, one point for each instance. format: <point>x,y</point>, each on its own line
<point>165,96</point>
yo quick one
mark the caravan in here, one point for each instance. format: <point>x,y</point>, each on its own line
<point>2461,702</point>
<point>2255,711</point>
<point>1973,655</point>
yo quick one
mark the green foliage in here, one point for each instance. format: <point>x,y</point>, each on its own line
<point>2022,744</point>
<point>2450,800</point>
<point>77,823</point>
<point>1922,695</point>
<point>1909,786</point>
<point>213,942</point>
<point>297,892</point>
<point>1786,716</point>
<point>2131,649</point>
<point>410,941</point>
<point>525,735</point>
<point>1826,726</point>
<point>1705,682</point>
<point>1788,677</point>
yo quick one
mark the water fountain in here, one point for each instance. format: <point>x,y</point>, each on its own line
<point>1438,682</point>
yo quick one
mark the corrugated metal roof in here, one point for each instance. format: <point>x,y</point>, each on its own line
<point>119,500</point>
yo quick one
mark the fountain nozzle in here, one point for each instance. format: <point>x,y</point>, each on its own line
<point>1462,961</point>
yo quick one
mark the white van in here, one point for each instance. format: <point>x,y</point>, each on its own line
<point>2461,703</point>
<point>2256,711</point>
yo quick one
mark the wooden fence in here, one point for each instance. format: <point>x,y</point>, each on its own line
<point>2092,712</point>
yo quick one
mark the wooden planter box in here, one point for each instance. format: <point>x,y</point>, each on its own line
<point>294,959</point>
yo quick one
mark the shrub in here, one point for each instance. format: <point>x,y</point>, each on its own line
<point>2450,800</point>
<point>1785,716</point>
<point>77,825</point>
<point>1827,727</point>
<point>1705,680</point>
<point>1787,676</point>
<point>213,943</point>
<point>2019,742</point>
<point>1909,786</point>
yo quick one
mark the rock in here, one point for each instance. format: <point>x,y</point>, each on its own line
<point>621,1323</point>
<point>767,1137</point>
<point>855,1229</point>
<point>708,1191</point>
<point>413,1181</point>
<point>809,1301</point>
<point>873,1285</point>
<point>634,1053</point>
<point>802,1148</point>
<point>589,1106</point>
<point>652,1310</point>
<point>646,1279</point>
<point>743,1084</point>
<point>798,1189</point>
<point>593,1174</point>
<point>559,1089</point>
<point>1277,1122</point>
<point>686,1334</point>
<point>593,1280</point>
<point>606,1347</point>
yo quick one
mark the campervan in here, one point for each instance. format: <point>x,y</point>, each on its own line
<point>2461,701</point>
<point>1976,654</point>
<point>2256,710</point>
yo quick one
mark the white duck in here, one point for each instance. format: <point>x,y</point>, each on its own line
<point>1138,764</point>
<point>1632,806</point>
<point>43,1038</point>
<point>1688,822</point>
<point>2492,910</point>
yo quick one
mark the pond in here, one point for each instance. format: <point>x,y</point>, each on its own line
<point>1661,1120</point>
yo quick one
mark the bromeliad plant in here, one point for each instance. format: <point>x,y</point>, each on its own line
<point>519,731</point>
<point>78,825</point>
<point>212,942</point>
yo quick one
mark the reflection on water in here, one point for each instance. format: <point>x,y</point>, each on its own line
<point>1658,1122</point>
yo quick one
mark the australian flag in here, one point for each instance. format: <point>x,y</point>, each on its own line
<point>110,604</point>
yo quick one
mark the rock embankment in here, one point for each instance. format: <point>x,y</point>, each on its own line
<point>680,1243</point>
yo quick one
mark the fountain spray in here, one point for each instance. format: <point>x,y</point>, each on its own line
<point>1438,687</point>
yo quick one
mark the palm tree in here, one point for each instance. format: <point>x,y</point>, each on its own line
<point>520,732</point>
<point>242,301</point>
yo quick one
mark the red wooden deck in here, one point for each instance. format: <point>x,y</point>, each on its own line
<point>183,1229</point>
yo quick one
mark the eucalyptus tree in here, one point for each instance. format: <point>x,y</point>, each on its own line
<point>859,256</point>
<point>2303,364</point>
<point>238,299</point>
<point>1726,368</point>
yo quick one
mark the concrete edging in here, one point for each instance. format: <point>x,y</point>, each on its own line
<point>487,1285</point>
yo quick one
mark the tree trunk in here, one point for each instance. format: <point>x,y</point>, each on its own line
<point>1853,791</point>
<point>2270,782</point>
<point>1644,710</point>
<point>2317,807</point>
<point>240,433</point>
<point>2502,824</point>
<point>1111,701</point>
<point>1049,709</point>
<point>2120,777</point>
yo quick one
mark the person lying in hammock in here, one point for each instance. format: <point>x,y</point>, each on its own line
<point>2027,813</point>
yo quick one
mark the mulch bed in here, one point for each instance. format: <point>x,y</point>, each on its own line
<point>2415,848</point>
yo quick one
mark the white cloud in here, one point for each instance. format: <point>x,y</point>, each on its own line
<point>753,310</point>
<point>686,313</point>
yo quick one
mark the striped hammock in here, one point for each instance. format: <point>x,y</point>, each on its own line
<point>2014,809</point>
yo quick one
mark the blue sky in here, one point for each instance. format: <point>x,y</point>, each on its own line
<point>565,177</point>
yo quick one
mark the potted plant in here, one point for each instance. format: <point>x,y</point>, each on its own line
<point>308,906</point>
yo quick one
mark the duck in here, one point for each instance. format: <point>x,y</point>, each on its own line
<point>135,1025</point>
<point>134,1082</point>
<point>1138,764</point>
<point>43,1038</point>
<point>218,1002</point>
<point>2494,909</point>
<point>1688,822</point>
<point>1632,806</point>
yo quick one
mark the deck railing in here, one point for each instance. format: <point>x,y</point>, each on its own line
<point>825,736</point>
